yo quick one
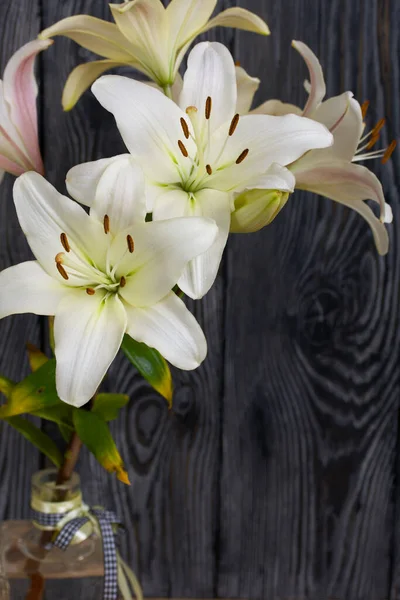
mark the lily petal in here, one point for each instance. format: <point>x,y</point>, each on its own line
<point>82,77</point>
<point>275,178</point>
<point>20,91</point>
<point>88,332</point>
<point>162,250</point>
<point>94,34</point>
<point>151,129</point>
<point>239,18</point>
<point>186,18</point>
<point>171,328</point>
<point>269,140</point>
<point>347,129</point>
<point>201,272</point>
<point>44,214</point>
<point>143,23</point>
<point>210,73</point>
<point>27,288</point>
<point>277,108</point>
<point>82,180</point>
<point>120,194</point>
<point>317,81</point>
<point>246,89</point>
<point>349,184</point>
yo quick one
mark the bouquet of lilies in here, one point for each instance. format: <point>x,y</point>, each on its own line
<point>144,229</point>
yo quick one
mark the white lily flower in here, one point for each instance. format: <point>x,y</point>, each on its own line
<point>199,155</point>
<point>103,275</point>
<point>146,36</point>
<point>332,172</point>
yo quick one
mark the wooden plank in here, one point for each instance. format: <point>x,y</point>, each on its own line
<point>170,510</point>
<point>311,374</point>
<point>19,23</point>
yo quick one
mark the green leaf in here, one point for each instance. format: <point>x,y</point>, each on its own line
<point>151,365</point>
<point>35,392</point>
<point>6,386</point>
<point>93,431</point>
<point>107,406</point>
<point>39,439</point>
<point>61,414</point>
<point>36,357</point>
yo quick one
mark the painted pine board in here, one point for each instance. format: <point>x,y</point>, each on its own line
<point>310,406</point>
<point>19,23</point>
<point>173,458</point>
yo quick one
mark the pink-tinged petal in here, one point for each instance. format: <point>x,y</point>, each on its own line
<point>317,81</point>
<point>10,166</point>
<point>20,91</point>
<point>349,184</point>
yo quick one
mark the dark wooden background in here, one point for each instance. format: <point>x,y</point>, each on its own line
<point>277,474</point>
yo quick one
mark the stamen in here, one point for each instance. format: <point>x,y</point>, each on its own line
<point>378,127</point>
<point>389,151</point>
<point>59,257</point>
<point>209,169</point>
<point>106,223</point>
<point>364,108</point>
<point>372,141</point>
<point>185,128</point>
<point>234,124</point>
<point>62,271</point>
<point>131,243</point>
<point>208,107</point>
<point>65,242</point>
<point>182,148</point>
<point>237,63</point>
<point>122,282</point>
<point>242,156</point>
<point>90,291</point>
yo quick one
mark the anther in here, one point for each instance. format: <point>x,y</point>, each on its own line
<point>208,107</point>
<point>364,108</point>
<point>234,124</point>
<point>106,223</point>
<point>372,141</point>
<point>185,128</point>
<point>242,156</point>
<point>389,151</point>
<point>65,242</point>
<point>209,169</point>
<point>131,243</point>
<point>62,271</point>
<point>59,257</point>
<point>237,63</point>
<point>90,291</point>
<point>378,127</point>
<point>122,282</point>
<point>182,148</point>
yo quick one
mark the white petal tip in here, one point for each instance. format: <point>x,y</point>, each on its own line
<point>388,214</point>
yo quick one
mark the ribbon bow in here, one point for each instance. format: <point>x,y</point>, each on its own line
<point>117,574</point>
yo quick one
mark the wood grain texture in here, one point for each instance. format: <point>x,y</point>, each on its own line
<point>310,418</point>
<point>19,23</point>
<point>277,475</point>
<point>173,459</point>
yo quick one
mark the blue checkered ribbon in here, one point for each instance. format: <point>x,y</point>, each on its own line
<point>107,521</point>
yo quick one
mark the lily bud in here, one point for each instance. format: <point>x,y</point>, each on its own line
<point>254,209</point>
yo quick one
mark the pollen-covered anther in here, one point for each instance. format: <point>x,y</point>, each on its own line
<point>65,242</point>
<point>90,291</point>
<point>364,108</point>
<point>389,151</point>
<point>185,128</point>
<point>131,243</point>
<point>122,282</point>
<point>59,258</point>
<point>234,124</point>
<point>242,156</point>
<point>209,169</point>
<point>182,148</point>
<point>106,224</point>
<point>208,107</point>
<point>238,63</point>
<point>62,271</point>
<point>372,141</point>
